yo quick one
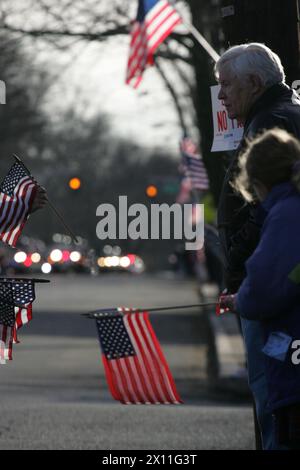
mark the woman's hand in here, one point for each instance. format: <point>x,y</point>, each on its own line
<point>227,303</point>
<point>40,199</point>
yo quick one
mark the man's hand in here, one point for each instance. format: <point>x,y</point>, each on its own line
<point>40,199</point>
<point>227,303</point>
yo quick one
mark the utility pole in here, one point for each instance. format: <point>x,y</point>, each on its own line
<point>272,22</point>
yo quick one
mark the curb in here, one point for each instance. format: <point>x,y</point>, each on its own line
<point>230,354</point>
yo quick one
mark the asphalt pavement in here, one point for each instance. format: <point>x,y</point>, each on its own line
<point>54,394</point>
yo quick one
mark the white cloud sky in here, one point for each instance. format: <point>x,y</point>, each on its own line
<point>95,82</point>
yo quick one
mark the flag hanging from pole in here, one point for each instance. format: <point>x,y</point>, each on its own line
<point>135,367</point>
<point>16,297</point>
<point>17,192</point>
<point>8,334</point>
<point>192,165</point>
<point>14,294</point>
<point>155,20</point>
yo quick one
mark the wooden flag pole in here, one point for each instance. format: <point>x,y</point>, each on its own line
<point>50,204</point>
<point>199,38</point>
<point>202,41</point>
<point>21,279</point>
<point>94,313</point>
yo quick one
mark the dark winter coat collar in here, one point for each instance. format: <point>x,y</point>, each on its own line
<point>279,191</point>
<point>269,97</point>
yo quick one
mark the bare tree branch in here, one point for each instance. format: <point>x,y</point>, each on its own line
<point>118,30</point>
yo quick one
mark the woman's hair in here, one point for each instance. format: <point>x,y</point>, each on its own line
<point>271,158</point>
<point>253,59</point>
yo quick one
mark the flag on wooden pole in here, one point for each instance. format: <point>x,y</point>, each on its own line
<point>135,367</point>
<point>192,165</point>
<point>155,20</point>
<point>17,192</point>
<point>16,298</point>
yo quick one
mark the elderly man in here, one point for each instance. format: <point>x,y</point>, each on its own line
<point>253,90</point>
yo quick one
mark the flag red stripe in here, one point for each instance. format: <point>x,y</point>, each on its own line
<point>24,217</point>
<point>116,372</point>
<point>114,389</point>
<point>118,381</point>
<point>13,204</point>
<point>131,378</point>
<point>143,353</point>
<point>6,205</point>
<point>162,358</point>
<point>128,396</point>
<point>143,360</point>
<point>147,359</point>
<point>20,219</point>
<point>142,388</point>
<point>139,363</point>
<point>142,397</point>
<point>163,34</point>
<point>14,211</point>
<point>3,206</point>
<point>138,56</point>
<point>25,203</point>
<point>167,396</point>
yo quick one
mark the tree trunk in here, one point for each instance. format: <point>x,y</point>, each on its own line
<point>206,18</point>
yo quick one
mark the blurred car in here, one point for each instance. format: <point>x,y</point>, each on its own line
<point>128,262</point>
<point>62,256</point>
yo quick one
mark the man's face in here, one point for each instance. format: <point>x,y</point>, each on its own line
<point>236,94</point>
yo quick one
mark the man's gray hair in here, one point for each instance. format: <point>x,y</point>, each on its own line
<point>253,59</point>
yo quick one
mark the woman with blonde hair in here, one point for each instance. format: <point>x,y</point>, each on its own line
<point>270,293</point>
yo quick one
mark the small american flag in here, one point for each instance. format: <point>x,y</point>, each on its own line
<point>135,367</point>
<point>17,192</point>
<point>16,297</point>
<point>155,20</point>
<point>14,294</point>
<point>192,165</point>
<point>8,335</point>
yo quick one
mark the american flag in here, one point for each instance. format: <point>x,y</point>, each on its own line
<point>192,165</point>
<point>135,367</point>
<point>8,335</point>
<point>155,20</point>
<point>16,297</point>
<point>17,192</point>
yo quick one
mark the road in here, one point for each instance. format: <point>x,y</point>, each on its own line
<point>54,394</point>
